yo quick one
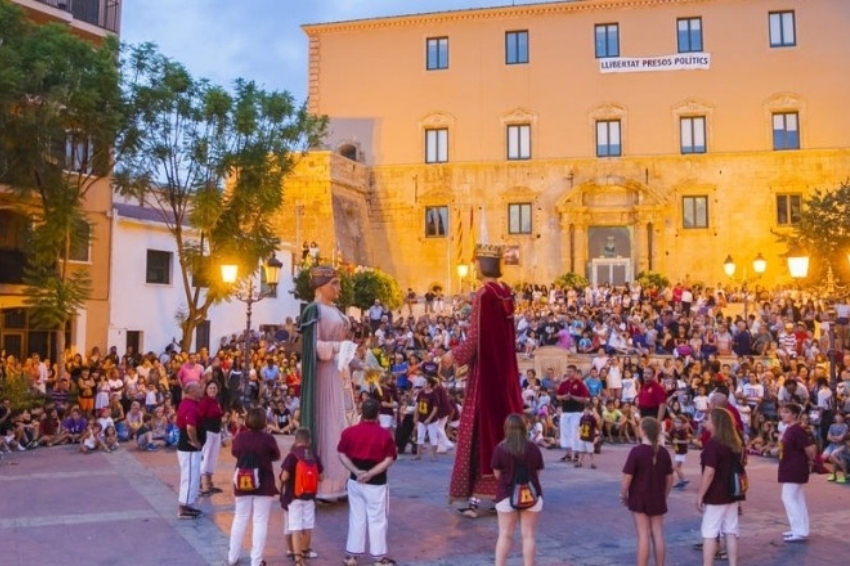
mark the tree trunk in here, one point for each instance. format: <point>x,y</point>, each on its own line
<point>60,351</point>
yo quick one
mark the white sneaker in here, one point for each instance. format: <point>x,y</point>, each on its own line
<point>796,538</point>
<point>787,534</point>
<point>21,448</point>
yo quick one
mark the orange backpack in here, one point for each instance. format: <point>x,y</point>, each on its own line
<point>306,478</point>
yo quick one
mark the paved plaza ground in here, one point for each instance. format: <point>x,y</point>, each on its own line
<point>60,507</point>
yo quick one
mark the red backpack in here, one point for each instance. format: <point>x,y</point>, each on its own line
<point>306,478</point>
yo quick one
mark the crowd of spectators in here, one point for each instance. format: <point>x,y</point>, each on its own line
<point>684,335</point>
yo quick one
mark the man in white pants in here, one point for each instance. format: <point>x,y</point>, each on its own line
<point>367,451</point>
<point>573,395</point>
<point>189,450</point>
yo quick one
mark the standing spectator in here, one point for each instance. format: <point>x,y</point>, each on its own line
<point>190,371</point>
<point>429,301</point>
<point>376,313</point>
<point>511,453</point>
<point>492,385</point>
<point>719,510</point>
<point>189,446</point>
<point>796,457</point>
<point>257,504</point>
<point>410,299</point>
<point>211,414</point>
<point>573,394</point>
<point>647,479</point>
<point>367,451</point>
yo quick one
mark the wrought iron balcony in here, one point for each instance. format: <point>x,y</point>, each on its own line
<point>101,13</point>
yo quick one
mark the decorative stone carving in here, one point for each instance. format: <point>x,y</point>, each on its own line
<point>519,116</point>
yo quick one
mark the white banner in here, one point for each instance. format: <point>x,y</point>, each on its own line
<point>678,62</point>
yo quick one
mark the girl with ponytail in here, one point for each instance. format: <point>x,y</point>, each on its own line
<point>646,483</point>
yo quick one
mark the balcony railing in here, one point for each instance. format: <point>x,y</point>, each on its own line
<point>101,13</point>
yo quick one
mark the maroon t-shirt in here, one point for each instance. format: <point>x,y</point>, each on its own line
<point>264,446</point>
<point>577,388</point>
<point>367,444</point>
<point>444,402</point>
<point>651,396</point>
<point>425,404</point>
<point>648,490</point>
<point>718,456</point>
<point>505,462</point>
<point>793,461</point>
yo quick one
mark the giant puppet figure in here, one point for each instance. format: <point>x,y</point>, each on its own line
<point>326,397</point>
<point>492,387</point>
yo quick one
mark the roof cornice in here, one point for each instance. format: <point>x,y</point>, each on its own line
<point>495,12</point>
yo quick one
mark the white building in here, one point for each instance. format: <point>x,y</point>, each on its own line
<point>146,291</point>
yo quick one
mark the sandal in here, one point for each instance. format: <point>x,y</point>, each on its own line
<point>349,561</point>
<point>298,559</point>
<point>578,464</point>
<point>384,562</point>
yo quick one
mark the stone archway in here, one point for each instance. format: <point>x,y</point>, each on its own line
<point>613,204</point>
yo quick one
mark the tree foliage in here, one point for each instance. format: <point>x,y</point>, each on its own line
<point>375,284</point>
<point>823,232</point>
<point>60,109</point>
<point>651,279</point>
<point>574,280</point>
<point>212,163</point>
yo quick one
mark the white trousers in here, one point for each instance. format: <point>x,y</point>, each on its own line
<point>368,509</point>
<point>209,453</point>
<point>190,477</point>
<point>431,429</point>
<point>794,500</point>
<point>443,442</point>
<point>246,505</point>
<point>569,431</point>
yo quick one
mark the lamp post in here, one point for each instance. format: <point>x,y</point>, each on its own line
<point>798,266</point>
<point>249,296</point>
<point>759,267</point>
<point>462,272</point>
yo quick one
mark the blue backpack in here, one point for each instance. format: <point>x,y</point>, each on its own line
<point>122,431</point>
<point>172,434</point>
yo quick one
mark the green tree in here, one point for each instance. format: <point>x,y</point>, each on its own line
<point>371,284</point>
<point>60,109</point>
<point>651,279</point>
<point>212,162</point>
<point>823,232</point>
<point>574,280</point>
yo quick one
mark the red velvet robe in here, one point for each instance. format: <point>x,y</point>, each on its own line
<point>492,390</point>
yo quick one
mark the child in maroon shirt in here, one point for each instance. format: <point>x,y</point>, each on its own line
<point>588,430</point>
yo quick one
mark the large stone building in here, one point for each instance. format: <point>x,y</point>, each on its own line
<point>92,20</point>
<point>603,137</point>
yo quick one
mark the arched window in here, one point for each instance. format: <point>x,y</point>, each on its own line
<point>349,151</point>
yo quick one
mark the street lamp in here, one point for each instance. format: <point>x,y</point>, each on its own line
<point>229,273</point>
<point>759,266</point>
<point>798,265</point>
<point>462,272</point>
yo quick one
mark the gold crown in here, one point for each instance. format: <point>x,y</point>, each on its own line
<point>323,271</point>
<point>488,250</point>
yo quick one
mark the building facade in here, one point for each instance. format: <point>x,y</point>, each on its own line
<point>93,20</point>
<point>147,294</point>
<point>603,137</point>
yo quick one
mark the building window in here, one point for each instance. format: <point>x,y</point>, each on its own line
<point>437,145</point>
<point>786,130</point>
<point>437,53</point>
<point>695,212</point>
<point>80,242</point>
<point>689,34</point>
<point>608,138</point>
<point>79,154</point>
<point>519,141</point>
<point>436,221</point>
<point>607,40</point>
<point>788,209</point>
<point>692,130</point>
<point>519,218</point>
<point>516,47</point>
<point>158,267</point>
<point>782,29</point>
